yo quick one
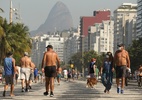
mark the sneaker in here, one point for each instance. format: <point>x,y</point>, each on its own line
<point>105,91</point>
<point>51,94</point>
<point>45,93</point>
<point>30,87</point>
<point>4,93</point>
<point>26,90</point>
<point>23,90</point>
<point>122,91</point>
<point>118,90</point>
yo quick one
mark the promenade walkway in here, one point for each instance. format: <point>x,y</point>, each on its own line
<point>75,90</point>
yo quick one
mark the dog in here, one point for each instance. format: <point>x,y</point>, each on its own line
<point>91,82</point>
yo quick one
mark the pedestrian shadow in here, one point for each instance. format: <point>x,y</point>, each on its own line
<point>78,91</point>
<point>19,93</point>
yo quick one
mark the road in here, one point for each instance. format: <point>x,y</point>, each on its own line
<point>75,90</point>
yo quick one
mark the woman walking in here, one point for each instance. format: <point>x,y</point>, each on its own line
<point>106,71</point>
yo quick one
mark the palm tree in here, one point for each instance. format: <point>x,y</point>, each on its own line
<point>1,10</point>
<point>14,37</point>
<point>23,42</point>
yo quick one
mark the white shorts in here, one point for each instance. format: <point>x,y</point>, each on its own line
<point>65,76</point>
<point>25,73</point>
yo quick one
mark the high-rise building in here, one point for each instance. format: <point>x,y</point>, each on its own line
<point>98,17</point>
<point>86,21</point>
<point>39,47</point>
<point>124,24</point>
<point>100,37</point>
<point>139,20</point>
<point>71,45</point>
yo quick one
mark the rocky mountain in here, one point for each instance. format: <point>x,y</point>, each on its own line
<point>58,19</point>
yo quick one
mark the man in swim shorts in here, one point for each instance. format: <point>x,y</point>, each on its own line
<point>26,66</point>
<point>49,61</point>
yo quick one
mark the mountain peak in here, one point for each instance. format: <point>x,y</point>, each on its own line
<point>59,18</point>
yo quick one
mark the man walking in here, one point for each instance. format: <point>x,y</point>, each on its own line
<point>26,66</point>
<point>122,62</point>
<point>9,68</point>
<point>49,61</point>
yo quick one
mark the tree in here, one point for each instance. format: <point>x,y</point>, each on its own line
<point>87,55</point>
<point>14,37</point>
<point>93,54</point>
<point>135,53</point>
<point>76,58</point>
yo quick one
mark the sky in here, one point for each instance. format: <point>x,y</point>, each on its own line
<point>34,12</point>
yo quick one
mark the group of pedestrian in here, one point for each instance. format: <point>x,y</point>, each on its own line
<point>51,68</point>
<point>119,63</point>
<point>11,72</point>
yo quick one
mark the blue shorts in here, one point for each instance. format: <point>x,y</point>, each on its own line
<point>59,75</point>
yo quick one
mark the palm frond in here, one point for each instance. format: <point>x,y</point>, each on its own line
<point>1,10</point>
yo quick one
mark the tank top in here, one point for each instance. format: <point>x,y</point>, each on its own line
<point>91,67</point>
<point>8,67</point>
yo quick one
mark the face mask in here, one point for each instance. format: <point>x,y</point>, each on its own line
<point>107,56</point>
<point>119,48</point>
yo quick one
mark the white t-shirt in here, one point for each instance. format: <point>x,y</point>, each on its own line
<point>65,72</point>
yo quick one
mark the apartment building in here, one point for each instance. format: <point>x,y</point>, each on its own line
<point>39,47</point>
<point>139,20</point>
<point>101,36</point>
<point>124,24</point>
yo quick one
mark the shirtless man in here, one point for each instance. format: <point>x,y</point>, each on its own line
<point>26,66</point>
<point>49,61</point>
<point>122,62</point>
<point>59,74</point>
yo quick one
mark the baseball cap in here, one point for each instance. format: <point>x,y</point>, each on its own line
<point>26,53</point>
<point>120,45</point>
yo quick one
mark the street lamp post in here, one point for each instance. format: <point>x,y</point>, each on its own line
<point>82,51</point>
<point>11,11</point>
<point>124,29</point>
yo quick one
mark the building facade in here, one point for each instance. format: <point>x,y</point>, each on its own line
<point>101,36</point>
<point>87,21</point>
<point>124,24</point>
<point>39,47</point>
<point>71,45</point>
<point>139,20</point>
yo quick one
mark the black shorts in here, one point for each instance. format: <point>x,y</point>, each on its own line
<point>50,71</point>
<point>120,71</point>
<point>9,79</point>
